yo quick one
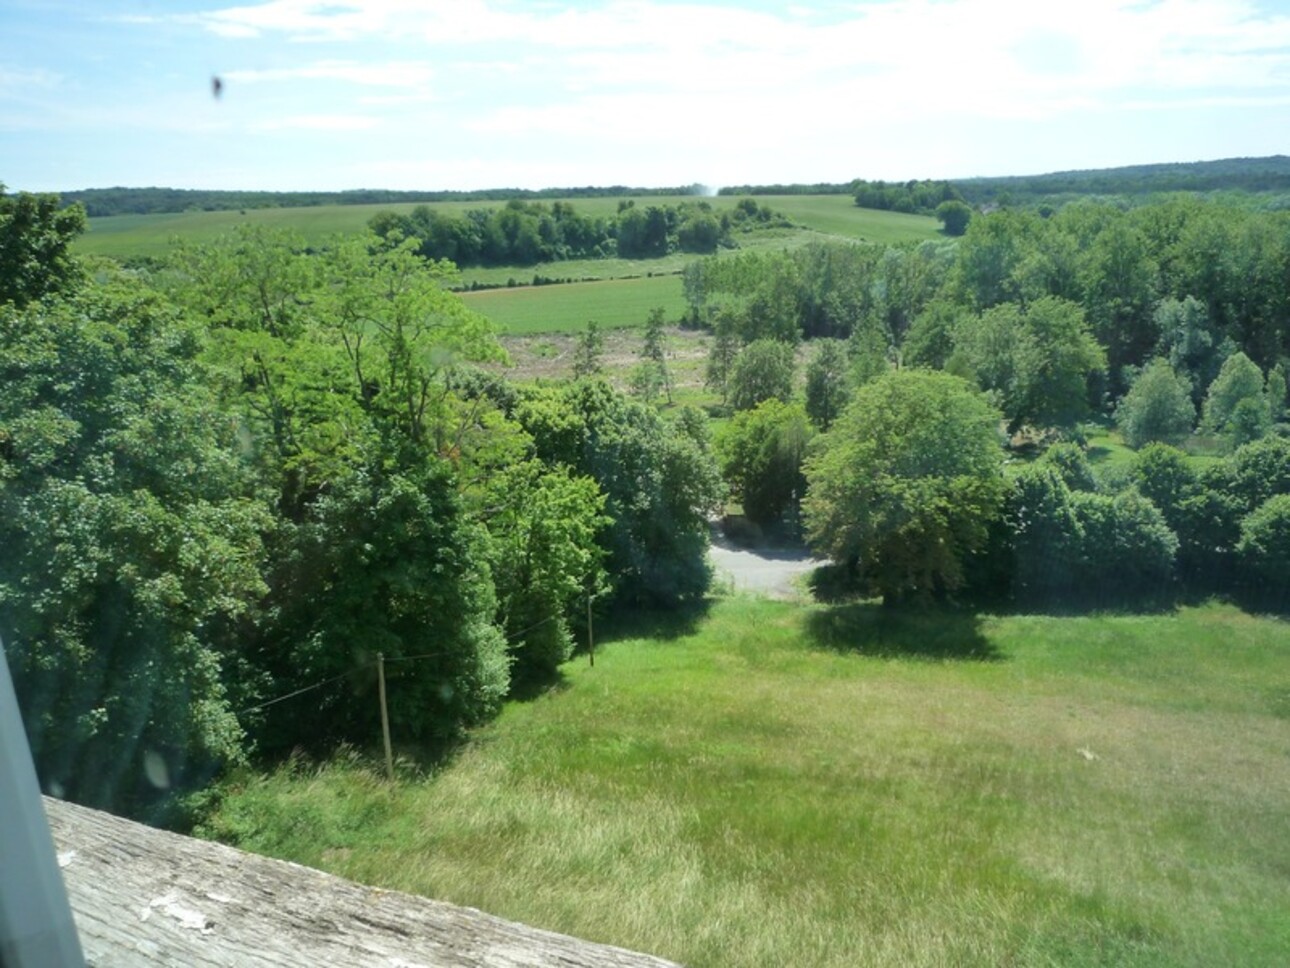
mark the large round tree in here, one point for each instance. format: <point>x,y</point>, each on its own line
<point>906,482</point>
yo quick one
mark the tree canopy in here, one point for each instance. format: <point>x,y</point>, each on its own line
<point>763,370</point>
<point>906,482</point>
<point>35,239</point>
<point>1157,408</point>
<point>762,451</point>
<point>954,216</point>
<point>1038,360</point>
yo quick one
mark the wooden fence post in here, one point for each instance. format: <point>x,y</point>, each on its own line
<point>385,716</point>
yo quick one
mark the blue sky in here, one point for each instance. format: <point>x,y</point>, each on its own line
<point>419,94</point>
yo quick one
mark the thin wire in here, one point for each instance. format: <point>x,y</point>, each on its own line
<point>409,658</point>
<point>393,658</point>
<point>436,655</point>
<point>516,635</point>
<point>291,695</point>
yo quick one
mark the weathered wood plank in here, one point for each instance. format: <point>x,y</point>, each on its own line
<point>145,896</point>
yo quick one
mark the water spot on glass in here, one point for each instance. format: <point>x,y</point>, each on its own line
<point>155,769</point>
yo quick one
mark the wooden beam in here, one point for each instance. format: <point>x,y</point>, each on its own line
<point>145,896</point>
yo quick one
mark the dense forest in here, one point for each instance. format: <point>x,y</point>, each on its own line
<point>1255,175</point>
<point>1170,321</point>
<point>1259,176</point>
<point>255,468</point>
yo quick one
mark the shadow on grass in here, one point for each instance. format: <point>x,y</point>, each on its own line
<point>1263,600</point>
<point>918,632</point>
<point>648,623</point>
<point>1077,606</point>
<point>535,687</point>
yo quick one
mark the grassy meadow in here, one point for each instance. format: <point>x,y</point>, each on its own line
<point>773,783</point>
<point>838,215</point>
<point>123,236</point>
<point>641,284</point>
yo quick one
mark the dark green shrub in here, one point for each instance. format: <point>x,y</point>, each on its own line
<point>761,458</point>
<point>1073,466</point>
<point>1264,547</point>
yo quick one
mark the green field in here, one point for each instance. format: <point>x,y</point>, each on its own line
<point>539,309</point>
<point>838,215</point>
<point>612,304</point>
<point>776,784</point>
<point>122,236</point>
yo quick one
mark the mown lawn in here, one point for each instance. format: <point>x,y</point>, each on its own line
<point>776,784</point>
<point>1107,450</point>
<point>838,215</point>
<point>568,308</point>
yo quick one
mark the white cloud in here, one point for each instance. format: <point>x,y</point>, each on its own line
<point>303,19</point>
<point>1193,102</point>
<point>390,74</point>
<point>457,93</point>
<point>316,122</point>
<point>928,51</point>
<point>20,80</point>
<point>622,71</point>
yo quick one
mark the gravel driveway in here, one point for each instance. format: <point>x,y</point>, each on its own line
<point>761,571</point>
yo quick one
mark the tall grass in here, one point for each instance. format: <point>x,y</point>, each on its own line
<point>777,785</point>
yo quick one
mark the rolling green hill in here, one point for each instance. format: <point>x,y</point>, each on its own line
<point>126,236</point>
<point>1256,175</point>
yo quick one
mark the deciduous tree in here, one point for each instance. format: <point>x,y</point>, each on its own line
<point>588,352</point>
<point>906,482</point>
<point>1239,380</point>
<point>659,485</point>
<point>652,374</point>
<point>1265,544</point>
<point>35,240</point>
<point>828,384</point>
<point>1037,359</point>
<point>1157,408</point>
<point>762,370</point>
<point>954,216</point>
<point>762,451</point>
<point>131,549</point>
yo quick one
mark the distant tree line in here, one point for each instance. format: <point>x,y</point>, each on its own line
<point>1261,175</point>
<point>525,233</point>
<point>1271,174</point>
<point>913,197</point>
<point>100,202</point>
<point>818,188</point>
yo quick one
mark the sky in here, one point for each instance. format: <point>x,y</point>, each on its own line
<point>463,94</point>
